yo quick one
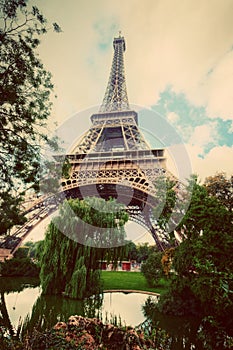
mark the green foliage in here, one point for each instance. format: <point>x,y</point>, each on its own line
<point>213,335</point>
<point>92,335</point>
<point>10,212</point>
<point>19,267</point>
<point>37,250</point>
<point>205,215</point>
<point>71,267</point>
<point>18,284</point>
<point>221,187</point>
<point>179,300</point>
<point>143,251</point>
<point>34,248</point>
<point>152,268</point>
<point>166,199</point>
<point>132,253</point>
<point>76,287</point>
<point>22,252</point>
<point>160,339</point>
<point>139,252</point>
<point>203,263</point>
<point>25,88</point>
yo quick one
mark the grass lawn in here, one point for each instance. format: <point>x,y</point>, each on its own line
<point>130,280</point>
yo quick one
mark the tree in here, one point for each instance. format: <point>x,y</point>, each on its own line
<point>166,199</point>
<point>222,188</point>
<point>25,88</point>
<point>131,251</point>
<point>203,263</point>
<point>19,266</point>
<point>33,248</point>
<point>171,202</point>
<point>143,251</point>
<point>72,267</point>
<point>22,252</point>
<point>152,268</point>
<point>10,211</point>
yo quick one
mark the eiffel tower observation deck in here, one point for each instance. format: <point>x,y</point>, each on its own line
<point>111,160</point>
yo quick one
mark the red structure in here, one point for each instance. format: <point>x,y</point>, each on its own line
<point>126,265</point>
<point>103,265</point>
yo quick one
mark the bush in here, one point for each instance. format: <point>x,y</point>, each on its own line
<point>152,268</point>
<point>179,300</point>
<point>19,267</point>
<point>22,252</point>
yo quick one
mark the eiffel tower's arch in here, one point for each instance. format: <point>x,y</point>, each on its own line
<point>138,204</point>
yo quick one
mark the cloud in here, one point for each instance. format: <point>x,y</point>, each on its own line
<point>219,87</point>
<point>173,117</point>
<point>204,134</point>
<point>218,159</point>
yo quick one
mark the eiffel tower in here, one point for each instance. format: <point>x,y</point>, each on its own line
<point>112,160</point>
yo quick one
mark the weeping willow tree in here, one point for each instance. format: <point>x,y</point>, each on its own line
<point>77,240</point>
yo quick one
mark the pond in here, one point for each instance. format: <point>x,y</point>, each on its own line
<point>22,302</point>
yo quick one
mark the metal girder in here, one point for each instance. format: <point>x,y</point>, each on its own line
<point>115,98</point>
<point>88,141</point>
<point>99,138</point>
<point>133,177</point>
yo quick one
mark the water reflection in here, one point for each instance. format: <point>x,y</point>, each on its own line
<point>125,307</point>
<point>22,298</point>
<point>10,289</point>
<point>182,331</point>
<point>17,284</point>
<point>48,310</point>
<point>22,307</point>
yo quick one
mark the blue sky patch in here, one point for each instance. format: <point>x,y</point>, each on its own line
<point>106,28</point>
<point>176,119</point>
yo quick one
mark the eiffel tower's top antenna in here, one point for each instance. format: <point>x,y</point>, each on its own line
<point>115,98</point>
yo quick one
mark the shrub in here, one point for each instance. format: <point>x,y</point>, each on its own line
<point>22,252</point>
<point>179,300</point>
<point>19,267</point>
<point>152,268</point>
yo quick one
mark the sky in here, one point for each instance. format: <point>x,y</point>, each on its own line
<point>178,65</point>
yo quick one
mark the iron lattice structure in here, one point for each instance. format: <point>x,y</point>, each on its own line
<point>112,160</point>
<point>115,98</point>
